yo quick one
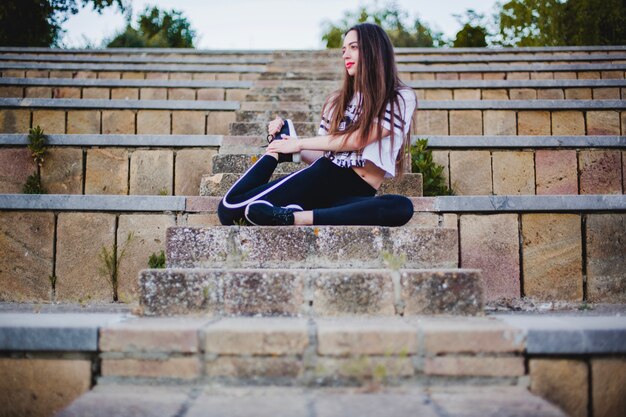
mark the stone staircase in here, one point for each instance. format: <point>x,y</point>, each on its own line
<point>314,320</point>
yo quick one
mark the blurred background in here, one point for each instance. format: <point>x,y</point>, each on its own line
<point>303,24</point>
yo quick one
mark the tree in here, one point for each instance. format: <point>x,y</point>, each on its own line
<point>392,20</point>
<point>562,22</point>
<point>473,33</point>
<point>156,29</point>
<point>38,22</point>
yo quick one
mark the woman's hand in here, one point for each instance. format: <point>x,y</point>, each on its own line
<point>275,125</point>
<point>286,145</point>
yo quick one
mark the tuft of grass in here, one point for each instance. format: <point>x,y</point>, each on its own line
<point>394,261</point>
<point>33,184</point>
<point>37,147</point>
<point>111,264</point>
<point>432,173</point>
<point>157,261</point>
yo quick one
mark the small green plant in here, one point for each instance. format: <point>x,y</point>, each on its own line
<point>37,147</point>
<point>33,184</point>
<point>163,191</point>
<point>432,173</point>
<point>111,264</point>
<point>393,261</point>
<point>157,261</point>
<point>239,222</point>
<point>585,306</point>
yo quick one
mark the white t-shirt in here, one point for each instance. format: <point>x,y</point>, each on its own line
<point>380,155</point>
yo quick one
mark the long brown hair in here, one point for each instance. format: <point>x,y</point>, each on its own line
<point>377,81</point>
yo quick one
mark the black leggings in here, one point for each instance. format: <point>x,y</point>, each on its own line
<point>337,196</point>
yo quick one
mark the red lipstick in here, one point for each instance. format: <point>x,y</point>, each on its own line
<point>349,64</point>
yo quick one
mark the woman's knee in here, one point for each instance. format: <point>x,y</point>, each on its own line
<point>401,209</point>
<point>227,216</point>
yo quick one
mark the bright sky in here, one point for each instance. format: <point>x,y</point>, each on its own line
<point>263,24</point>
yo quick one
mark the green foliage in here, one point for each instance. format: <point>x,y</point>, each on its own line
<point>559,22</point>
<point>392,19</point>
<point>473,32</point>
<point>37,147</point>
<point>38,22</point>
<point>33,185</point>
<point>111,264</point>
<point>394,261</point>
<point>156,29</point>
<point>432,173</point>
<point>37,144</point>
<point>157,261</point>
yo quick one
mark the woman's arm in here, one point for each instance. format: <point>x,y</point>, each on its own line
<point>341,143</point>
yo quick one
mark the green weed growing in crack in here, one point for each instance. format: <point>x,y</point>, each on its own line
<point>111,264</point>
<point>157,261</point>
<point>37,148</point>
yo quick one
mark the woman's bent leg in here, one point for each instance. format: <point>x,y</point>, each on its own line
<point>385,210</point>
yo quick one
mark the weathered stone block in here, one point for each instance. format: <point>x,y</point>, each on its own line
<point>188,122</point>
<point>111,75</point>
<point>26,244</point>
<point>153,94</point>
<point>173,367</point>
<point>466,94</point>
<point>10,91</point>
<point>608,386</point>
<point>523,94</point>
<point>38,92</point>
<point>359,336</point>
<point>565,75</point>
<point>578,94</point>
<point>612,75</point>
<point>513,173</point>
<point>232,94</point>
<point>107,171</point>
<point>491,244</point>
<point>86,74</point>
<point>606,263</point>
<point>446,76</point>
<point>255,336</point>
<point>83,121</point>
<point>513,75</point>
<point>176,334</point>
<point>14,121</point>
<point>250,368</point>
<point>550,94</point>
<point>470,172</point>
<point>209,76</point>
<point>96,93</point>
<point>606,94</point>
<point>603,122</point>
<point>66,92</point>
<point>363,368</point>
<point>474,366</point>
<point>133,75</point>
<point>180,75</point>
<point>212,94</point>
<point>148,232</point>
<point>191,165</point>
<point>15,167</point>
<point>155,122</point>
<point>533,123</point>
<point>51,121</point>
<point>500,122</point>
<point>589,75</point>
<point>432,122</point>
<point>118,122</point>
<point>41,387</point>
<point>556,172</point>
<point>78,256</point>
<point>268,292</point>
<point>181,94</point>
<point>438,94</point>
<point>568,123</point>
<point>563,382</point>
<point>351,293</point>
<point>62,171</point>
<point>495,94</point>
<point>466,122</point>
<point>125,93</point>
<point>428,292</point>
<point>151,172</point>
<point>229,76</point>
<point>473,335</point>
<point>600,171</point>
<point>552,263</point>
<point>218,122</point>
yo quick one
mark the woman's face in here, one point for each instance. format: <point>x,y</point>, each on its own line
<point>350,52</point>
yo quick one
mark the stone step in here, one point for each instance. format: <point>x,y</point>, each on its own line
<point>311,247</point>
<point>273,401</point>
<point>310,291</point>
<point>265,116</point>
<point>409,184</point>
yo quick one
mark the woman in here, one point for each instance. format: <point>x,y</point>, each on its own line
<point>356,149</point>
